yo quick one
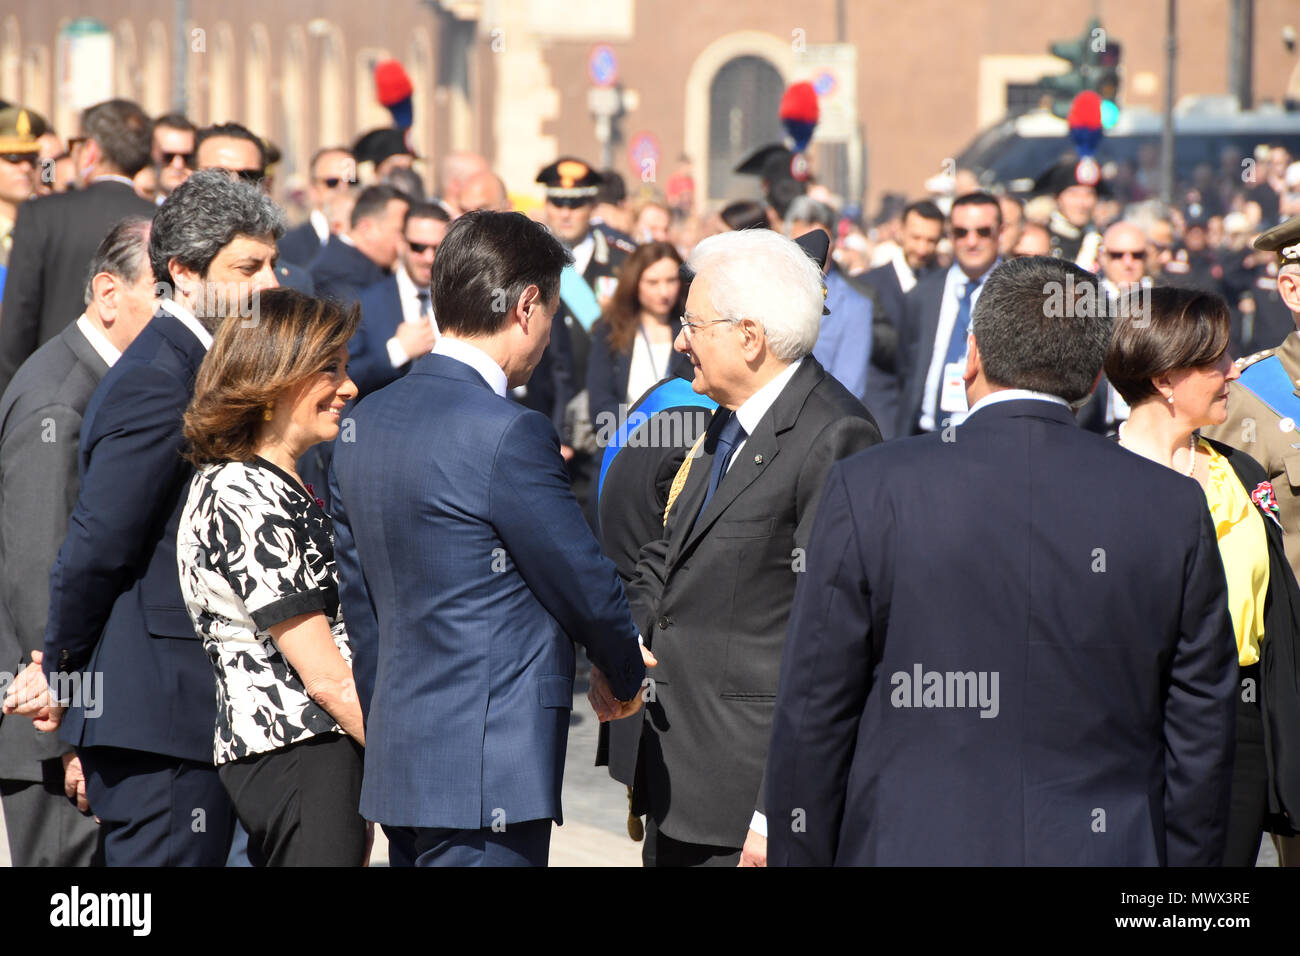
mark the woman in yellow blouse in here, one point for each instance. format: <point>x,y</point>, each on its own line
<point>1169,360</point>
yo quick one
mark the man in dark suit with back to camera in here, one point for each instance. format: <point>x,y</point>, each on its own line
<point>466,570</point>
<point>117,622</point>
<point>55,236</point>
<point>713,594</point>
<point>40,425</point>
<point>1026,658</point>
<point>355,260</point>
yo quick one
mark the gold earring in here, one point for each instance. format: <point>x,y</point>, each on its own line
<point>267,416</point>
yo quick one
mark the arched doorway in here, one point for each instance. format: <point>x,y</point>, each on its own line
<point>744,105</point>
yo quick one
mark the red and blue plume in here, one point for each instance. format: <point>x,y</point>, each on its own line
<point>1084,120</point>
<point>799,114</point>
<point>393,90</point>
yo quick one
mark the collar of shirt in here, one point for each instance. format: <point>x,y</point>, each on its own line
<point>112,178</point>
<point>755,407</point>
<point>188,320</point>
<point>346,240</point>
<point>407,293</point>
<point>582,252</point>
<point>321,225</point>
<point>906,277</point>
<point>98,340</point>
<point>957,278</point>
<point>1013,395</point>
<point>475,358</point>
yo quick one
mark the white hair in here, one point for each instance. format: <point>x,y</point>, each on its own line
<point>757,274</point>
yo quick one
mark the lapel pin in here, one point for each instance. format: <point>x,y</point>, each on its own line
<point>758,459</point>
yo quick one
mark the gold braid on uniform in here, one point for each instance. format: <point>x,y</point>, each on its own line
<point>679,479</point>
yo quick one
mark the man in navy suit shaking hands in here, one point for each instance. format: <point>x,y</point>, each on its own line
<point>467,570</point>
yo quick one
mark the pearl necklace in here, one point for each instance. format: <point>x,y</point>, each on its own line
<point>1191,450</point>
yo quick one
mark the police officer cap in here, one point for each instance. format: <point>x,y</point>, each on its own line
<point>19,130</point>
<point>570,178</point>
<point>1283,240</point>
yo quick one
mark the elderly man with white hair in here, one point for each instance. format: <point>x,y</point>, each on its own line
<point>712,597</point>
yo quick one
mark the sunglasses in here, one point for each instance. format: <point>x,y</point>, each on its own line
<point>254,176</point>
<point>984,232</point>
<point>420,248</point>
<point>1138,255</point>
<point>17,158</point>
<point>569,202</point>
<point>76,141</point>
<point>186,158</point>
<point>332,182</point>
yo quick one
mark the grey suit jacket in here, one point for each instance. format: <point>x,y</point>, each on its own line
<point>712,599</point>
<point>40,428</point>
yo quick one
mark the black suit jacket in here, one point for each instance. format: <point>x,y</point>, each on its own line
<point>300,245</point>
<point>916,337</point>
<point>55,238</point>
<point>1085,579</point>
<point>608,371</point>
<point>712,598</point>
<point>341,271</point>
<point>40,426</point>
<point>115,599</point>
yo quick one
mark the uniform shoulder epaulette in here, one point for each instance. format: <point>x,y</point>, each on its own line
<point>1250,360</point>
<point>624,245</point>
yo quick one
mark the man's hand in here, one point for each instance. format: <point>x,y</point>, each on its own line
<point>602,699</point>
<point>74,781</point>
<point>416,338</point>
<point>29,696</point>
<point>566,452</point>
<point>754,852</point>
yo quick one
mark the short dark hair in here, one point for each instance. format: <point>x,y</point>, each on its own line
<point>373,201</point>
<point>119,254</point>
<point>425,210</point>
<point>175,121</point>
<point>1163,329</point>
<point>202,216</point>
<point>325,151</point>
<point>783,192</point>
<point>406,181</point>
<point>484,265</point>
<point>612,188</point>
<point>123,131</point>
<point>232,131</point>
<point>977,199</point>
<point>1031,333</point>
<point>923,208</point>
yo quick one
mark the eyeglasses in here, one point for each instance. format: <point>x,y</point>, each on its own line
<point>76,141</point>
<point>689,327</point>
<point>1138,255</point>
<point>984,232</point>
<point>186,158</point>
<point>420,248</point>
<point>17,158</point>
<point>569,202</point>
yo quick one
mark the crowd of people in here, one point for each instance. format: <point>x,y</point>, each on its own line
<point>877,537</point>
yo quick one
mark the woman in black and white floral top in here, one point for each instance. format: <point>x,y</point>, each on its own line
<point>256,560</point>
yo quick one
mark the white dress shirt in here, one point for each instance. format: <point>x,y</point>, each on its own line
<point>98,341</point>
<point>408,294</point>
<point>906,277</point>
<point>475,358</point>
<point>953,286</point>
<point>583,252</point>
<point>188,320</point>
<point>649,364</point>
<point>1013,395</point>
<point>321,225</point>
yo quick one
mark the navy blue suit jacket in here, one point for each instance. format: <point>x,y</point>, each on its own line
<point>300,245</point>
<point>466,572</point>
<point>916,334</point>
<point>115,600</point>
<point>883,383</point>
<point>1086,578</point>
<point>381,313</point>
<point>341,271</point>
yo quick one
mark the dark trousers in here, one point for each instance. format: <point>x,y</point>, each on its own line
<point>662,850</point>
<point>299,803</point>
<point>157,810</point>
<point>518,844</point>
<point>1248,811</point>
<point>45,828</point>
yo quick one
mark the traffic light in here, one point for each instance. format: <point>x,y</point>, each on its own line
<point>1094,60</point>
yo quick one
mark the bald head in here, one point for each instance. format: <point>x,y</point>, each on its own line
<point>1124,254</point>
<point>483,190</point>
<point>457,167</point>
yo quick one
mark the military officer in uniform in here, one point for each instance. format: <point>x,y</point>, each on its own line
<point>1075,188</point>
<point>1251,278</point>
<point>572,188</point>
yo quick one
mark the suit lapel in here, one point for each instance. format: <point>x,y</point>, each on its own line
<point>85,353</point>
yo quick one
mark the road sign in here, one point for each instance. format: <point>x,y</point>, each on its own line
<point>602,65</point>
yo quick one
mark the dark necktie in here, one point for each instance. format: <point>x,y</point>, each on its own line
<point>426,303</point>
<point>730,436</point>
<point>956,342</point>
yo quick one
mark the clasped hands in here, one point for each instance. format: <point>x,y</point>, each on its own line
<point>29,696</point>
<point>602,699</point>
